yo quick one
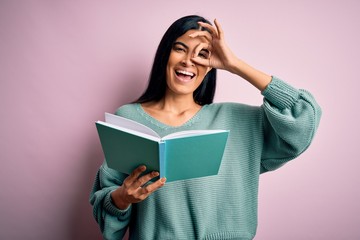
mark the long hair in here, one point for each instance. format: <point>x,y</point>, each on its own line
<point>156,88</point>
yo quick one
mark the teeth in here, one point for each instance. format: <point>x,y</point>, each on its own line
<point>185,73</point>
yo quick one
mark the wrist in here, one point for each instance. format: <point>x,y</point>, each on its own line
<point>118,201</point>
<point>236,67</point>
<point>255,77</point>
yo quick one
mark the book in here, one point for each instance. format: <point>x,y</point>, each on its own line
<point>178,156</point>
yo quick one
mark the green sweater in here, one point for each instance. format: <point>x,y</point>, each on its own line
<point>223,206</point>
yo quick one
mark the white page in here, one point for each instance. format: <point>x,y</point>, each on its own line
<point>133,132</point>
<point>130,124</point>
<point>190,133</point>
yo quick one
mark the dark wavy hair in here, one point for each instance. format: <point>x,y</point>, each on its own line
<point>156,88</point>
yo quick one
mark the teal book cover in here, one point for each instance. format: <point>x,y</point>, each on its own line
<point>182,155</point>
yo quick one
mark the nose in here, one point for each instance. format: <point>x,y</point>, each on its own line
<point>186,61</point>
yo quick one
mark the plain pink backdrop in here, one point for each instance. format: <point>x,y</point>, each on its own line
<point>64,63</point>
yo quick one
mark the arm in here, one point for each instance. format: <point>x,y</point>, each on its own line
<point>112,221</point>
<point>114,193</point>
<point>290,120</point>
<point>290,116</point>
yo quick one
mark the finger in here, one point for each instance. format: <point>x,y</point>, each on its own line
<point>153,187</point>
<point>134,175</point>
<point>202,46</point>
<point>205,34</point>
<point>219,29</point>
<point>144,179</point>
<point>210,27</point>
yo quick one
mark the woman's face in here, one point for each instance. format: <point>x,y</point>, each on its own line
<point>183,76</point>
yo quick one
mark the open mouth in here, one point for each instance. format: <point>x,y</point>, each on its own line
<point>184,75</point>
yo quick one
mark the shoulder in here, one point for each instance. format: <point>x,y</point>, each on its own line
<point>236,117</point>
<point>127,109</point>
<point>233,113</point>
<point>233,107</point>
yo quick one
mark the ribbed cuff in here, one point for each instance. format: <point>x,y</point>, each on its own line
<point>281,94</point>
<point>113,210</point>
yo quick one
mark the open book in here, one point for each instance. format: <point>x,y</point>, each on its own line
<point>182,155</point>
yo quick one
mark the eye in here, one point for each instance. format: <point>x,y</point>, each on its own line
<point>204,54</point>
<point>178,49</point>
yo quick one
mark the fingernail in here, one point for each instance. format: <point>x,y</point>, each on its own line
<point>163,179</point>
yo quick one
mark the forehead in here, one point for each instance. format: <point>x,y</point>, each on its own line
<point>191,41</point>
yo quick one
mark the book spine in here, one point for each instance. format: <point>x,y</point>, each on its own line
<point>162,158</point>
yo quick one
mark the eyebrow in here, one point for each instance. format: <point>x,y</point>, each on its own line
<point>182,44</point>
<point>185,46</point>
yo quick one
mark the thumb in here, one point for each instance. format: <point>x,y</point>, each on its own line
<point>201,61</point>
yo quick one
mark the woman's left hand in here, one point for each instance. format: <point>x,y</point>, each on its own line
<point>221,57</point>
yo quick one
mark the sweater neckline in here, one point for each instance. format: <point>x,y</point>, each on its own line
<point>164,126</point>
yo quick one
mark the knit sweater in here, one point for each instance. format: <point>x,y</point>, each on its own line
<point>224,206</point>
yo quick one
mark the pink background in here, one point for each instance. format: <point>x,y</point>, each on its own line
<point>64,63</point>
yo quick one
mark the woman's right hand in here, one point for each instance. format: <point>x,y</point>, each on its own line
<point>134,190</point>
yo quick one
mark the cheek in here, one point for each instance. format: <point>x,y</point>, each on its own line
<point>171,62</point>
<point>202,72</point>
<point>174,58</point>
<point>169,72</point>
<point>169,68</point>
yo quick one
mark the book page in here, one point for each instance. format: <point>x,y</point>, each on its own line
<point>130,131</point>
<point>129,124</point>
<point>191,133</point>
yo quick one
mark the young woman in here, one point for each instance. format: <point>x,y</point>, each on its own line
<point>179,97</point>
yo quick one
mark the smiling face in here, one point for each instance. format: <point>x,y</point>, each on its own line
<point>183,76</point>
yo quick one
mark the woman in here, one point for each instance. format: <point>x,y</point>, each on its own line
<point>179,97</point>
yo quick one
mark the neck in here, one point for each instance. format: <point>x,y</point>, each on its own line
<point>173,111</point>
<point>178,104</point>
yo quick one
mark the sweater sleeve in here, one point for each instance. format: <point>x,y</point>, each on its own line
<point>290,120</point>
<point>113,222</point>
